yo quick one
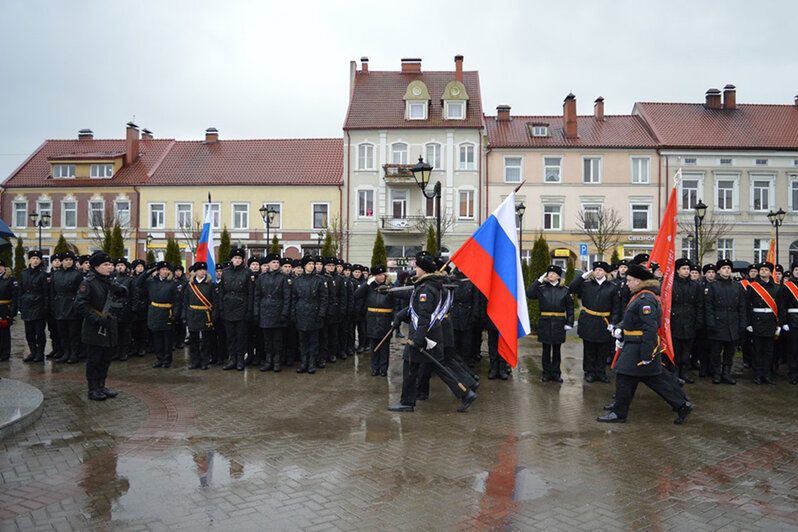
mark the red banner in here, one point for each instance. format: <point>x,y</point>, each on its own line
<point>664,254</point>
<point>771,258</point>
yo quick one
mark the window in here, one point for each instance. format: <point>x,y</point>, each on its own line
<point>466,161</point>
<point>540,131</point>
<point>726,193</point>
<point>726,248</point>
<point>591,172</point>
<point>45,207</point>
<point>101,170</point>
<point>640,216</point>
<point>216,213</point>
<point>96,213</point>
<point>726,162</point>
<point>688,248</point>
<point>591,215</point>
<point>689,194</point>
<point>365,203</point>
<point>552,169</point>
<point>794,194</point>
<point>512,169</point>
<point>365,157</point>
<point>761,162</point>
<point>320,213</point>
<point>416,110</point>
<point>63,171</point>
<point>760,196</point>
<point>552,217</point>
<point>122,212</point>
<point>69,214</point>
<point>240,215</point>
<point>277,223</point>
<point>185,213</point>
<point>429,207</point>
<point>466,204</point>
<point>399,203</point>
<point>399,153</point>
<point>455,110</point>
<point>433,155</point>
<point>157,215</point>
<point>761,248</point>
<point>690,161</point>
<point>641,170</point>
<point>20,214</point>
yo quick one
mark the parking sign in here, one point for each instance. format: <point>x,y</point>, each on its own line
<point>583,249</point>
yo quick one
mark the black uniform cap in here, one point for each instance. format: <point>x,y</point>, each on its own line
<point>724,262</point>
<point>198,266</point>
<point>237,252</point>
<point>639,272</point>
<point>425,261</point>
<point>708,267</point>
<point>99,258</point>
<point>681,261</point>
<point>378,269</point>
<point>554,268</point>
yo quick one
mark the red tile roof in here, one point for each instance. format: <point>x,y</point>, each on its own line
<point>615,131</point>
<point>378,101</point>
<point>749,126</point>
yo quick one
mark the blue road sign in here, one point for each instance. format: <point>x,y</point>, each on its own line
<point>583,249</point>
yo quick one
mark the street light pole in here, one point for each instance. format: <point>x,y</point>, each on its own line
<point>40,221</point>
<point>520,209</point>
<point>776,219</point>
<point>421,172</point>
<point>268,217</point>
<point>700,212</point>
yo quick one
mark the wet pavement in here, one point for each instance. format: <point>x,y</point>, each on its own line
<point>198,450</point>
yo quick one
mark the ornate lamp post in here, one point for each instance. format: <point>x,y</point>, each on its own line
<point>700,212</point>
<point>521,209</point>
<point>40,221</point>
<point>776,219</point>
<point>268,217</point>
<point>421,173</point>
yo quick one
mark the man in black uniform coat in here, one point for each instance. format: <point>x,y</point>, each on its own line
<point>725,316</point>
<point>763,297</point>
<point>57,349</point>
<point>95,303</point>
<point>180,324</point>
<point>64,289</point>
<point>556,318</point>
<point>236,290</point>
<point>272,311</point>
<point>600,310</point>
<point>379,305</point>
<point>254,333</point>
<point>348,319</point>
<point>686,316</point>
<point>702,347</point>
<point>749,275</point>
<point>126,315</point>
<point>789,320</point>
<point>359,310</point>
<point>34,289</point>
<point>138,302</point>
<point>308,306</point>
<point>640,356</point>
<point>336,302</point>
<point>467,322</point>
<point>200,313</point>
<point>9,304</point>
<point>165,297</point>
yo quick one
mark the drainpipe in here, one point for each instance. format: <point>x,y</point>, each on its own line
<point>348,181</point>
<point>138,210</point>
<point>341,210</point>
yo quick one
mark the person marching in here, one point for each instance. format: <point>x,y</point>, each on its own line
<point>34,303</point>
<point>686,316</point>
<point>556,317</point>
<point>165,297</point>
<point>271,310</point>
<point>789,321</point>
<point>379,305</point>
<point>65,283</point>
<point>640,355</point>
<point>200,313</point>
<point>308,306</point>
<point>725,316</point>
<point>235,307</point>
<point>763,297</point>
<point>9,304</point>
<point>600,309</point>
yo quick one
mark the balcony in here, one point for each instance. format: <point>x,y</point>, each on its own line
<point>398,174</point>
<point>408,224</point>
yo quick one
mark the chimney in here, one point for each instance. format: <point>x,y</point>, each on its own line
<point>598,109</point>
<point>458,69</point>
<point>146,134</point>
<point>729,97</point>
<point>713,99</point>
<point>503,113</point>
<point>364,62</point>
<point>795,101</point>
<point>211,135</point>
<point>569,116</point>
<point>411,65</point>
<point>131,143</point>
<point>85,134</point>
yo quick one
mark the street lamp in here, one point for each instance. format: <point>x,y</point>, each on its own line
<point>149,243</point>
<point>40,221</point>
<point>520,209</point>
<point>700,212</point>
<point>776,219</point>
<point>268,217</point>
<point>421,173</point>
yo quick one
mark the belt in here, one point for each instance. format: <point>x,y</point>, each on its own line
<point>8,302</point>
<point>374,309</point>
<point>207,310</point>
<point>789,310</point>
<point>763,310</point>
<point>199,307</point>
<point>632,333</point>
<point>553,314</point>
<point>161,305</point>
<point>96,311</point>
<point>594,313</point>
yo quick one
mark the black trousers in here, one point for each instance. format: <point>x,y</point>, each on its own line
<point>98,360</point>
<point>792,352</point>
<point>379,359</point>
<point>254,342</point>
<point>763,356</point>
<point>308,348</point>
<point>140,335</point>
<point>362,341</point>
<point>272,349</point>
<point>681,352</point>
<point>747,346</point>
<point>722,356</point>
<point>69,333</point>
<point>220,354</point>
<point>324,347</point>
<point>663,384</point>
<point>125,328</point>
<point>476,344</point>
<point>200,345</point>
<point>420,370</point>
<point>162,343</point>
<point>55,338</point>
<point>37,340</point>
<point>551,360</point>
<point>290,346</point>
<point>5,342</point>
<point>333,343</point>
<point>594,358</point>
<point>237,339</point>
<point>180,333</point>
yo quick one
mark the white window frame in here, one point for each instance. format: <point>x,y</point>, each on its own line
<point>413,104</point>
<point>761,253</point>
<point>276,206</point>
<point>367,191</point>
<point>688,247</point>
<point>463,163</point>
<point>366,160</point>
<point>313,214</point>
<point>632,205</point>
<point>519,166</point>
<point>472,202</point>
<point>699,191</point>
<point>101,170</point>
<point>397,154</point>
<point>101,202</point>
<point>58,171</point>
<point>546,167</point>
<point>591,205</point>
<point>637,162</point>
<point>217,218</point>
<point>770,178</point>
<point>725,252</point>
<point>64,209</point>
<point>117,210</point>
<point>234,215</point>
<point>450,105</point>
<point>404,200</point>
<point>540,131</point>
<point>430,201</point>
<point>690,161</point>
<point>24,208</point>
<point>162,224</point>
<point>735,179</point>
<point>725,161</point>
<point>794,192</point>
<point>190,205</point>
<point>437,160</point>
<point>593,180</point>
<point>40,209</point>
<point>559,215</point>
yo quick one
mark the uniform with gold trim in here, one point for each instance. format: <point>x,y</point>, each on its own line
<point>165,298</point>
<point>556,317</point>
<point>763,323</point>
<point>200,313</point>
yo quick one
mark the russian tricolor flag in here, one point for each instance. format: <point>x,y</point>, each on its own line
<point>205,245</point>
<point>490,259</point>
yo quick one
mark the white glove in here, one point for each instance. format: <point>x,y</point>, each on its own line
<point>617,333</point>
<point>618,344</point>
<point>611,328</point>
<point>785,328</point>
<point>371,280</point>
<point>749,329</point>
<point>778,331</point>
<point>431,343</point>
<point>568,327</point>
<point>586,274</point>
<point>542,278</point>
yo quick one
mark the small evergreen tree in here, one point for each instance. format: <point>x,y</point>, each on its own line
<point>61,245</point>
<point>570,273</point>
<point>615,257</point>
<point>379,254</point>
<point>117,242</point>
<point>224,247</point>
<point>150,256</point>
<point>327,249</point>
<point>173,254</point>
<point>275,247</point>
<point>432,243</point>
<point>107,241</point>
<point>19,258</point>
<point>539,262</point>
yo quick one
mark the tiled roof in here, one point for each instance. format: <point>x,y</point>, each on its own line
<point>253,162</point>
<point>749,126</point>
<point>378,101</point>
<point>35,171</point>
<point>615,131</point>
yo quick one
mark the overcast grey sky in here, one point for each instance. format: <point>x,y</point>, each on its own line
<point>281,69</point>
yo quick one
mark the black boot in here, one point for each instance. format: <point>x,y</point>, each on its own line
<point>240,362</point>
<point>231,363</point>
<point>108,392</point>
<point>726,377</point>
<point>95,394</point>
<point>683,412</point>
<point>503,367</point>
<point>494,368</point>
<point>685,376</point>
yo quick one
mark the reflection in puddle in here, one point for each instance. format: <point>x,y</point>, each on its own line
<point>102,485</point>
<point>528,485</point>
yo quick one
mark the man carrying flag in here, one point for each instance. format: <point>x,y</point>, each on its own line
<point>205,245</point>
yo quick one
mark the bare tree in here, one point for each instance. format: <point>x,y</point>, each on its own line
<point>422,222</point>
<point>601,226</point>
<point>340,237</point>
<point>101,231</point>
<point>711,231</point>
<point>192,233</point>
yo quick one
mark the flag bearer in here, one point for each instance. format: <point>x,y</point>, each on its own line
<point>200,313</point>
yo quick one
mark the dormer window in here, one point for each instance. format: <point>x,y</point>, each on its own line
<point>416,101</point>
<point>540,131</point>
<point>63,171</point>
<point>455,110</point>
<point>416,110</point>
<point>101,171</point>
